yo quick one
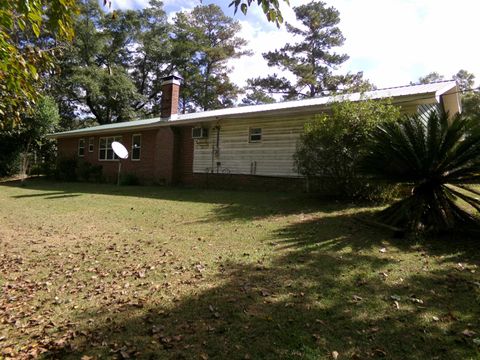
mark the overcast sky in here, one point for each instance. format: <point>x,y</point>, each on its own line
<point>392,41</point>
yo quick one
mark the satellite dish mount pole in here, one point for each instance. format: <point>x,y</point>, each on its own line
<point>119,171</point>
<point>122,153</point>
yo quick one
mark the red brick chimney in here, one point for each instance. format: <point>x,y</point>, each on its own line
<point>170,94</point>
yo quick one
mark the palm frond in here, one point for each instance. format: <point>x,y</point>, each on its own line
<point>439,157</point>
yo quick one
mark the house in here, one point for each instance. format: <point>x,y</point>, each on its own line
<point>250,145</point>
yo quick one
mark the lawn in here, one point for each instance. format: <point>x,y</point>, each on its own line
<point>98,271</point>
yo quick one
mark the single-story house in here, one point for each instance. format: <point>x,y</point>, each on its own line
<point>249,145</point>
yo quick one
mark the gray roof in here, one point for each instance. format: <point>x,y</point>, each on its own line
<point>423,91</point>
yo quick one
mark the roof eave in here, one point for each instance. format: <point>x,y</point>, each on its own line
<point>88,131</point>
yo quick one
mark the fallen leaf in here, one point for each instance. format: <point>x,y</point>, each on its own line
<point>265,293</point>
<point>468,333</point>
<point>335,354</point>
<point>415,300</point>
<point>357,298</point>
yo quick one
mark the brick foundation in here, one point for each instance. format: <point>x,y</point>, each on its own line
<point>248,182</point>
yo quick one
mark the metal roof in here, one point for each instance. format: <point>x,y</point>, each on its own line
<point>418,92</point>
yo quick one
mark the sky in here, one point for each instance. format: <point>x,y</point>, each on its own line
<point>393,42</point>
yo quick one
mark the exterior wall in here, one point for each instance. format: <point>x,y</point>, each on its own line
<point>272,156</point>
<point>162,164</point>
<point>156,158</point>
<point>183,163</point>
<point>248,182</point>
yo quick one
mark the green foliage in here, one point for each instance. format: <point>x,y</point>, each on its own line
<point>312,59</point>
<point>9,153</point>
<point>204,41</point>
<point>66,170</point>
<point>464,79</point>
<point>439,158</point>
<point>86,171</point>
<point>129,179</point>
<point>333,145</point>
<point>20,61</point>
<point>77,170</point>
<point>18,144</point>
<point>430,78</point>
<point>271,8</point>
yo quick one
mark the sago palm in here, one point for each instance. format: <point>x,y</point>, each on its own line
<point>439,159</point>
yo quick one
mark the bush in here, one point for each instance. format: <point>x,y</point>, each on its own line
<point>129,179</point>
<point>77,170</point>
<point>86,171</point>
<point>66,170</point>
<point>438,158</point>
<point>331,147</point>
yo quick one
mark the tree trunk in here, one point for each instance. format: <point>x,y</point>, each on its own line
<point>24,165</point>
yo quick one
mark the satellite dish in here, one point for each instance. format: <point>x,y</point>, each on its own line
<point>122,153</point>
<point>120,150</point>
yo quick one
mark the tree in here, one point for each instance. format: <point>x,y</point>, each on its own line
<point>430,78</point>
<point>470,96</point>
<point>33,129</point>
<point>438,159</point>
<point>465,80</point>
<point>152,57</point>
<point>332,145</point>
<point>205,40</point>
<point>271,8</point>
<point>21,61</point>
<point>255,95</point>
<point>95,77</point>
<point>312,59</point>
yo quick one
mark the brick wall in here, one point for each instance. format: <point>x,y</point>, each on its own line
<point>183,165</point>
<point>154,166</point>
<point>164,149</point>
<point>248,182</point>
<point>167,158</point>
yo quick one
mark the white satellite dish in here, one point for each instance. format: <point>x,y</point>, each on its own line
<point>122,152</point>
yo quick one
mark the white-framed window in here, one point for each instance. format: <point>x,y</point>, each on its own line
<point>255,134</point>
<point>81,147</point>
<point>105,151</point>
<point>136,146</point>
<point>91,144</point>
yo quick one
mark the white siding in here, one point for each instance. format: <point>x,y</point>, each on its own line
<point>273,155</point>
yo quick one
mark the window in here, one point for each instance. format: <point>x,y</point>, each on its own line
<point>255,134</point>
<point>90,144</point>
<point>105,151</point>
<point>136,146</point>
<point>81,147</point>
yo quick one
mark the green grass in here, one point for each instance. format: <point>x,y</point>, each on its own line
<point>98,271</point>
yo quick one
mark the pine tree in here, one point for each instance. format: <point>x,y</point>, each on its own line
<point>204,41</point>
<point>311,60</point>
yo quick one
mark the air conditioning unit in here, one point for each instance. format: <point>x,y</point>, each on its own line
<point>199,133</point>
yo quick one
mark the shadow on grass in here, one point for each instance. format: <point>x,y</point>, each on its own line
<point>231,204</point>
<point>320,293</point>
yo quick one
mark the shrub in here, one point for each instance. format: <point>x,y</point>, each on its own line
<point>439,159</point>
<point>78,170</point>
<point>331,147</point>
<point>129,179</point>
<point>88,172</point>
<point>66,170</point>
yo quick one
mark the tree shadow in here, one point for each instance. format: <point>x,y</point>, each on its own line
<point>322,292</point>
<point>230,205</point>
